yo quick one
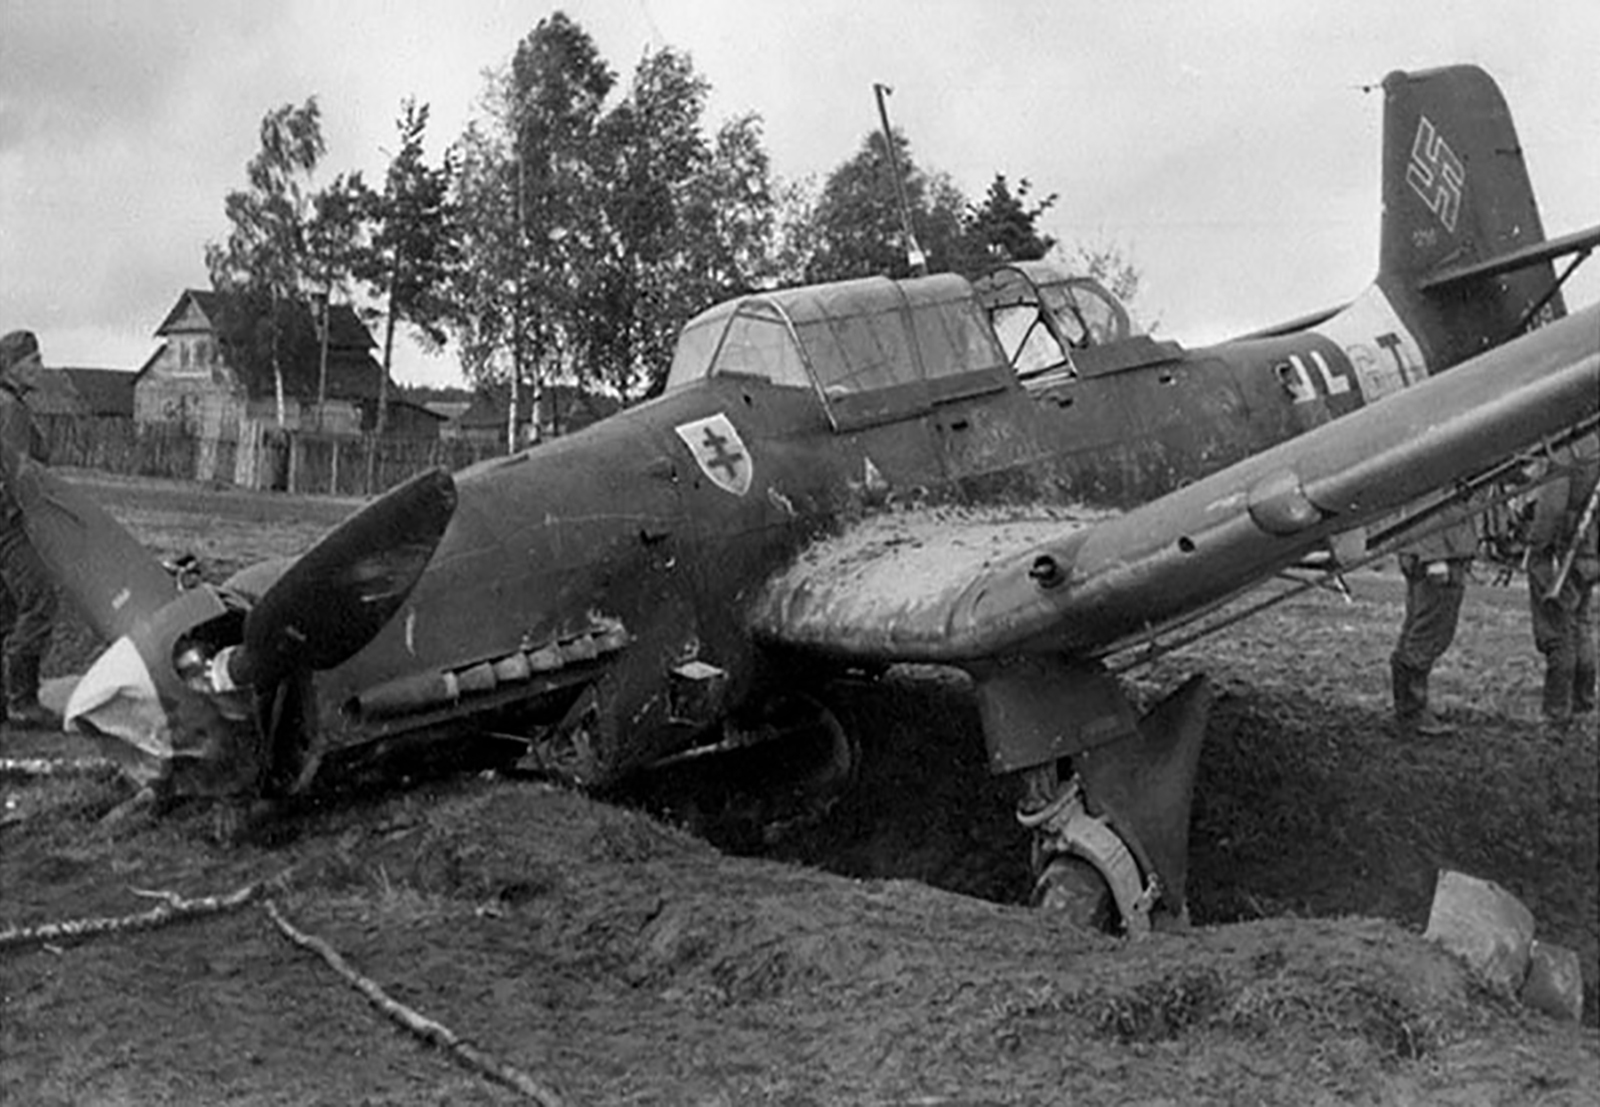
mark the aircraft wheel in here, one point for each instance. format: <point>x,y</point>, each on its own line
<point>781,772</point>
<point>1071,887</point>
<point>816,761</point>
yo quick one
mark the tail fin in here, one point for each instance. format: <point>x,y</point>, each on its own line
<point>1456,196</point>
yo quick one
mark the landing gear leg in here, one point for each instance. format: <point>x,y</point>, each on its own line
<point>1113,837</point>
<point>1084,869</point>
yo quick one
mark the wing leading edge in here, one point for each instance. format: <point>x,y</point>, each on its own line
<point>976,588</point>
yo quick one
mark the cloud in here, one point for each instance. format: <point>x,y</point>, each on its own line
<point>109,171</point>
<point>72,70</point>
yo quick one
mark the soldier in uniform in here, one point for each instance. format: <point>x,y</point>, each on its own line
<point>28,597</point>
<point>1436,568</point>
<point>1563,567</point>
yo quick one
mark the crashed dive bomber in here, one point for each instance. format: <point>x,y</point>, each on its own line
<point>1002,475</point>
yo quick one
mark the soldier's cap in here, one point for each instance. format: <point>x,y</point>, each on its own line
<point>15,348</point>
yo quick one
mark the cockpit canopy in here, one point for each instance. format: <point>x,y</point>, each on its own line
<point>842,338</point>
<point>1041,315</point>
<point>929,338</point>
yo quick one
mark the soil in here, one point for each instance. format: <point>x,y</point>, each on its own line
<point>885,956</point>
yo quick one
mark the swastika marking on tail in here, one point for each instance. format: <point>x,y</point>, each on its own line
<point>1436,174</point>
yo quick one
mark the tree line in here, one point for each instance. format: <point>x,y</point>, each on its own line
<point>574,226</point>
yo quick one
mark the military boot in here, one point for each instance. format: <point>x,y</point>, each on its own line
<point>1556,701</point>
<point>1412,717</point>
<point>1429,725</point>
<point>1583,689</point>
<point>22,696</point>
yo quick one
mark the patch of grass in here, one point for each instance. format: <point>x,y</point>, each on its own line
<point>1374,1018</point>
<point>61,806</point>
<point>1397,1028</point>
<point>632,836</point>
<point>430,863</point>
<point>762,974</point>
<point>1160,1010</point>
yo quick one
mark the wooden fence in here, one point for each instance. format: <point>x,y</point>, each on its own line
<point>289,461</point>
<point>115,445</point>
<point>347,465</point>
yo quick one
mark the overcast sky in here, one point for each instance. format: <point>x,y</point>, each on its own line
<point>1228,148</point>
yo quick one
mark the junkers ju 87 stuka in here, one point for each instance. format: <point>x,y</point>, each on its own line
<point>1003,476</point>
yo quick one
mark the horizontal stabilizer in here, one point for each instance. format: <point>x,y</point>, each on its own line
<point>1579,242</point>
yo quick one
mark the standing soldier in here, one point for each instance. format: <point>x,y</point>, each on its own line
<point>28,596</point>
<point>1563,566</point>
<point>1435,568</point>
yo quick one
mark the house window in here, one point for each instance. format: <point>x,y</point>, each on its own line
<point>190,356</point>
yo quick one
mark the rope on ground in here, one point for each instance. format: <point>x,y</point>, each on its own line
<point>420,1025</point>
<point>173,909</point>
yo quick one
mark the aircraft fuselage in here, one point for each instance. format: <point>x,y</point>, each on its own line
<point>620,558</point>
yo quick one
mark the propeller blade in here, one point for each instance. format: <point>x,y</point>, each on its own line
<point>115,582</point>
<point>334,599</point>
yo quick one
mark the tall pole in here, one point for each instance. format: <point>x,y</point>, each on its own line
<point>914,255</point>
<point>322,363</point>
<point>520,306</point>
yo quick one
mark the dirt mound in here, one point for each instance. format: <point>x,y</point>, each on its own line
<point>622,961</point>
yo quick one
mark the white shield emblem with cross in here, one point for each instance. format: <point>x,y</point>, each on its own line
<point>719,452</point>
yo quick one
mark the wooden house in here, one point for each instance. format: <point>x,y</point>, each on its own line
<point>199,376</point>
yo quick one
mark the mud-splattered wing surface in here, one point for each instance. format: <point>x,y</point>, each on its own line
<point>891,585</point>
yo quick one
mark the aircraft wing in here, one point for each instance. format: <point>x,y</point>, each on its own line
<point>960,588</point>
